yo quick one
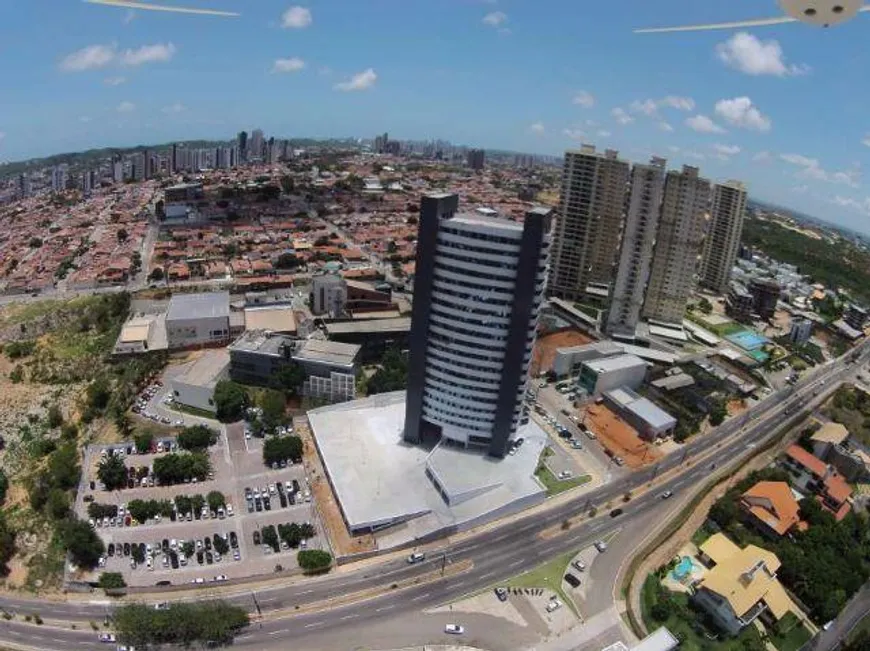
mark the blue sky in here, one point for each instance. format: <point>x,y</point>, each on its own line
<point>782,108</point>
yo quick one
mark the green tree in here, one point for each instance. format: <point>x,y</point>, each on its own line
<point>231,400</point>
<point>220,545</point>
<point>314,560</point>
<point>54,418</point>
<point>122,234</point>
<point>4,486</point>
<point>81,542</point>
<point>205,623</point>
<point>57,504</point>
<point>718,413</point>
<point>63,467</point>
<point>156,274</point>
<point>392,375</point>
<point>290,378</point>
<point>215,500</point>
<point>144,440</point>
<point>197,438</point>
<point>69,432</point>
<point>272,403</point>
<point>112,471</point>
<point>137,553</point>
<point>287,185</point>
<point>7,544</point>
<point>112,581</point>
<point>270,537</point>
<point>187,548</point>
<point>705,306</point>
<point>282,448</point>
<point>287,261</point>
<point>98,394</point>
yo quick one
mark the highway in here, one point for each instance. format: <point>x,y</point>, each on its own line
<point>497,553</point>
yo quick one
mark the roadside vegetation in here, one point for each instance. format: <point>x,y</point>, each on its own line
<point>851,407</point>
<point>205,623</point>
<point>62,390</point>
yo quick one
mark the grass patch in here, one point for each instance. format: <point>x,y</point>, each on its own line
<point>554,485</point>
<point>701,534</point>
<point>547,576</point>
<point>193,411</point>
<point>795,634</point>
<point>863,627</point>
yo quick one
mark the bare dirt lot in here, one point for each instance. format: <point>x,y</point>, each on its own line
<point>619,437</point>
<point>546,346</point>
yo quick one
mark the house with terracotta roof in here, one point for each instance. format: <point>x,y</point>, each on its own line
<point>833,444</point>
<point>772,508</point>
<point>812,475</point>
<point>740,586</point>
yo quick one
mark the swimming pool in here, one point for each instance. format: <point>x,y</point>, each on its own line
<point>684,568</point>
<point>747,339</point>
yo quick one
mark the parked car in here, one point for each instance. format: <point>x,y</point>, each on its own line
<point>454,629</point>
<point>501,593</point>
<point>601,546</point>
<point>579,565</point>
<point>416,557</point>
<point>572,580</point>
<point>553,604</point>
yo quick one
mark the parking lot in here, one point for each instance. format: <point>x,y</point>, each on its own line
<point>237,467</point>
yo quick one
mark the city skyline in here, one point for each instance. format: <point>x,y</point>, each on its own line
<point>743,104</point>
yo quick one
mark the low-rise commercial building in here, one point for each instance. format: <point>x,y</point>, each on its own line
<point>258,356</point>
<point>855,316</point>
<point>650,421</point>
<point>198,319</point>
<point>330,369</point>
<point>601,375</point>
<point>374,336</point>
<point>195,387</point>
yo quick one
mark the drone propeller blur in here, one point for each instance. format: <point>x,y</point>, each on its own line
<point>820,13</point>
<point>149,6</point>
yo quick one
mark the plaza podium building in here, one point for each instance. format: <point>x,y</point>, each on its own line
<point>478,288</point>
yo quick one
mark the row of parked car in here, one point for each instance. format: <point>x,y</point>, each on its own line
<point>287,494</point>
<point>176,553</point>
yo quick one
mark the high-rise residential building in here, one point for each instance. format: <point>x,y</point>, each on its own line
<point>118,171</point>
<point>591,210</point>
<point>257,145</point>
<point>87,182</point>
<point>146,155</point>
<point>243,146</point>
<point>380,145</point>
<point>476,159</point>
<point>59,178</point>
<point>478,288</point>
<point>25,187</point>
<point>173,161</point>
<point>723,235</point>
<point>636,250</point>
<point>673,275</point>
<point>138,163</point>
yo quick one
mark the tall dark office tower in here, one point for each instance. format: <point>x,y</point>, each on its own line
<point>478,287</point>
<point>243,145</point>
<point>476,159</point>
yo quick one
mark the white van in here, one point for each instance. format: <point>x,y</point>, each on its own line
<point>416,557</point>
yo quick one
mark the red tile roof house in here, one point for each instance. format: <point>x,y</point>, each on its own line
<point>815,476</point>
<point>772,509</point>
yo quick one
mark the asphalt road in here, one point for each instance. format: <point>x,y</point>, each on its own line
<point>497,553</point>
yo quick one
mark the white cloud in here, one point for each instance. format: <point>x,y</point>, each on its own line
<point>129,15</point>
<point>852,204</point>
<point>293,64</point>
<point>621,116</point>
<point>157,53</point>
<point>88,58</point>
<point>114,81</point>
<point>810,168</point>
<point>178,107</point>
<point>726,150</point>
<point>751,55</point>
<point>2,135</point>
<point>651,107</point>
<point>573,134</point>
<point>360,81</point>
<point>742,113</point>
<point>296,18</point>
<point>126,107</point>
<point>664,126</point>
<point>495,18</point>
<point>866,140</point>
<point>537,127</point>
<point>85,119</point>
<point>694,155</point>
<point>800,189</point>
<point>763,157</point>
<point>505,31</point>
<point>603,133</point>
<point>703,124</point>
<point>584,99</point>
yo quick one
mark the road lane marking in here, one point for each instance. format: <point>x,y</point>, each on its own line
<point>383,608</point>
<point>346,617</point>
<point>306,592</point>
<point>314,624</point>
<point>421,597</point>
<point>515,563</point>
<point>487,575</point>
<point>283,630</point>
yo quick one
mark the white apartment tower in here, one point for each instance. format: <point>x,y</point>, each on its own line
<point>638,239</point>
<point>590,216</point>
<point>723,235</point>
<point>255,146</point>
<point>478,288</point>
<point>678,245</point>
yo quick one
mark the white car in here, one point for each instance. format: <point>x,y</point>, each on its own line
<point>554,604</point>
<point>229,510</point>
<point>107,637</point>
<point>454,629</point>
<point>601,546</point>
